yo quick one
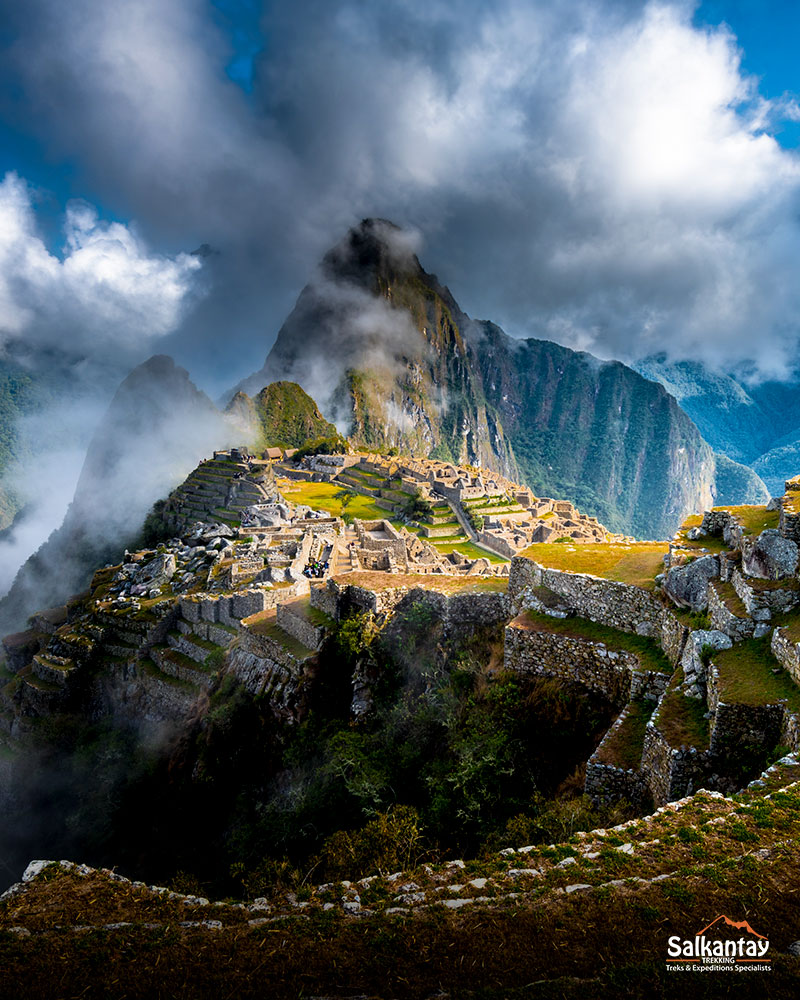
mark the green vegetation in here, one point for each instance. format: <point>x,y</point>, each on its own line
<point>623,748</point>
<point>705,543</point>
<point>468,549</point>
<point>649,653</point>
<point>338,502</point>
<point>332,498</point>
<point>452,753</point>
<point>682,719</point>
<point>637,563</point>
<point>332,445</point>
<point>726,855</point>
<point>730,598</point>
<point>747,676</point>
<point>286,416</point>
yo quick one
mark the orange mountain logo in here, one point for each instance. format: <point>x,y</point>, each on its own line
<point>714,948</point>
<point>739,925</point>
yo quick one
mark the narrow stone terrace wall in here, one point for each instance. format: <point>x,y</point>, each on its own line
<point>672,772</point>
<point>606,783</point>
<point>619,605</point>
<point>338,599</point>
<point>614,673</point>
<point>786,652</point>
<point>737,725</point>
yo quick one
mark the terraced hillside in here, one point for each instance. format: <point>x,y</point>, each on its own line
<point>219,489</point>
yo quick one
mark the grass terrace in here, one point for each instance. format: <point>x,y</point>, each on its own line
<point>730,598</point>
<point>264,623</point>
<point>746,676</point>
<point>705,544</point>
<point>623,748</point>
<point>637,563</point>
<point>468,549</point>
<point>323,496</point>
<point>648,652</point>
<point>753,518</point>
<point>681,719</point>
<point>442,584</point>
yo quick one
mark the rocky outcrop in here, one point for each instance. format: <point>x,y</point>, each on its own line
<point>770,556</point>
<point>687,585</point>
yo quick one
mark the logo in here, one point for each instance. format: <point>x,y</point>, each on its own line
<point>724,945</point>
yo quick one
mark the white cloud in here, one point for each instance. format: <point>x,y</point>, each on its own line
<point>107,290</point>
<point>599,171</point>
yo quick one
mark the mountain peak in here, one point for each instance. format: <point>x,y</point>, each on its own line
<point>374,250</point>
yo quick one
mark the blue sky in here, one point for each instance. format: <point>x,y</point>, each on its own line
<point>768,32</point>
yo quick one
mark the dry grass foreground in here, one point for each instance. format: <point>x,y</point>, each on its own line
<point>637,563</point>
<point>73,933</point>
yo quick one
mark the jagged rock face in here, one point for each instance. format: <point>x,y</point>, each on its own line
<point>596,432</point>
<point>282,415</point>
<point>380,344</point>
<point>386,350</point>
<point>770,556</point>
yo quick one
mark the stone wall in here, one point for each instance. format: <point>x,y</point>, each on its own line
<point>673,636</point>
<point>607,782</point>
<point>297,626</point>
<point>722,522</point>
<point>339,599</point>
<point>672,772</point>
<point>230,609</point>
<point>724,620</point>
<point>265,667</point>
<point>615,673</point>
<point>738,726</point>
<point>761,600</point>
<point>786,652</point>
<point>134,695</point>
<point>789,523</point>
<point>619,605</point>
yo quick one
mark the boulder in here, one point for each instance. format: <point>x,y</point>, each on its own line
<point>687,585</point>
<point>770,556</point>
<point>694,670</point>
<point>158,571</point>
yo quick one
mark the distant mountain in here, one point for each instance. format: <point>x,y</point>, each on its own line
<point>281,415</point>
<point>157,428</point>
<point>756,424</point>
<point>385,349</point>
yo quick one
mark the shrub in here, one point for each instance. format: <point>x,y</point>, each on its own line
<point>335,445</point>
<point>390,842</point>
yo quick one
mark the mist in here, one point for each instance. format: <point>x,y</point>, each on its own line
<point>158,427</point>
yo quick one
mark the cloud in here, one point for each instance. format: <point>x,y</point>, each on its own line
<point>105,293</point>
<point>600,172</point>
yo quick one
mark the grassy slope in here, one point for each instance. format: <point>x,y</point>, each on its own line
<point>637,563</point>
<point>732,856</point>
